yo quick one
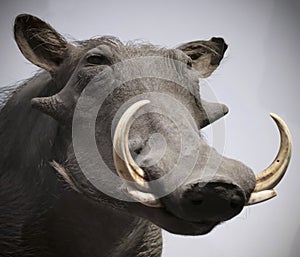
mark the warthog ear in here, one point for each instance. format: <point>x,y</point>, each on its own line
<point>39,42</point>
<point>206,55</point>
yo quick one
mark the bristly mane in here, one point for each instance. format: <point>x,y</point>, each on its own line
<point>132,48</point>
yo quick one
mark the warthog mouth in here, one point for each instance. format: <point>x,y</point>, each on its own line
<point>188,228</point>
<point>185,227</point>
<point>173,224</point>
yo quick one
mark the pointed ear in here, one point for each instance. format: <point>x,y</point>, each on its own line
<point>206,55</point>
<point>39,42</point>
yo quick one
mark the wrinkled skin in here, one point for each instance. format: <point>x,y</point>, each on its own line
<point>48,214</point>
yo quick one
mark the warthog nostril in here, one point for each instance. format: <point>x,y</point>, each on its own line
<point>236,201</point>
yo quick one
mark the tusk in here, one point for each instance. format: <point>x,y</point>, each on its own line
<point>258,197</point>
<point>272,175</point>
<point>124,163</point>
<point>147,199</point>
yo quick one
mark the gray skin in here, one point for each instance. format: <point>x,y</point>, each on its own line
<point>72,217</point>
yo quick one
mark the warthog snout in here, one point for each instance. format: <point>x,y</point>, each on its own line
<point>214,201</point>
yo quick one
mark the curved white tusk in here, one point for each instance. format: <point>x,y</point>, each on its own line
<point>272,175</point>
<point>124,163</point>
<point>258,197</point>
<point>147,199</point>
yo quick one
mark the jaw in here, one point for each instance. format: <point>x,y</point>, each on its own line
<point>161,216</point>
<point>167,221</point>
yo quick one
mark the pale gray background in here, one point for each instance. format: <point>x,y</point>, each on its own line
<point>261,73</point>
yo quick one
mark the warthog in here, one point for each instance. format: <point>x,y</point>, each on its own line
<point>101,150</point>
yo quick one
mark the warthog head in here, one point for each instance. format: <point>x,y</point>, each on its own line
<point>130,116</point>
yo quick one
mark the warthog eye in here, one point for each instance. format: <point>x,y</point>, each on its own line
<point>189,64</point>
<point>98,60</point>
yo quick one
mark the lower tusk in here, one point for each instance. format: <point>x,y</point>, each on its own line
<point>147,199</point>
<point>272,175</point>
<point>258,197</point>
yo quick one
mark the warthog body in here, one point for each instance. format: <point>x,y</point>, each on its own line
<point>54,199</point>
